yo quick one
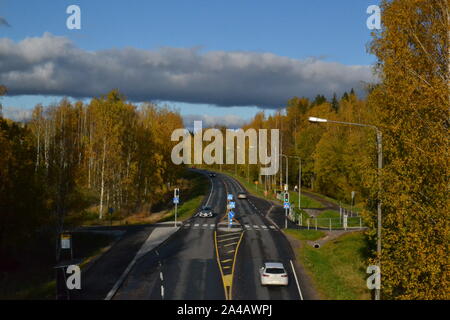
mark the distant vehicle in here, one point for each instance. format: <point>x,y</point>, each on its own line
<point>274,274</point>
<point>242,195</point>
<point>206,212</point>
<point>212,175</point>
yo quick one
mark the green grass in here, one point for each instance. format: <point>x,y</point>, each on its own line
<point>305,234</point>
<point>306,202</point>
<point>199,187</point>
<point>338,267</point>
<point>358,207</point>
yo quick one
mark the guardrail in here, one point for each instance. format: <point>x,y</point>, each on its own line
<point>345,222</point>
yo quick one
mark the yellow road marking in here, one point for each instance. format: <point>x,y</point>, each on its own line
<point>229,244</point>
<point>220,266</point>
<point>228,279</point>
<point>234,262</point>
<point>231,251</point>
<point>226,235</point>
<point>228,239</point>
<point>228,260</point>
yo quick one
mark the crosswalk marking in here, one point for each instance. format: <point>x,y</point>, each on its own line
<point>248,227</point>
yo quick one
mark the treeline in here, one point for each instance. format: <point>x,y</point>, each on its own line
<point>335,159</point>
<point>71,156</point>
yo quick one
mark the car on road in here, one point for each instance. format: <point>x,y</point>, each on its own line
<point>242,195</point>
<point>206,212</point>
<point>274,274</point>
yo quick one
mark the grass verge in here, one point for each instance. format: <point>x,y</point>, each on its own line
<point>337,267</point>
<point>35,278</point>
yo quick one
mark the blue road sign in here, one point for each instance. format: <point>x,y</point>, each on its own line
<point>232,204</point>
<point>230,218</point>
<point>230,196</point>
<point>287,205</point>
<point>176,200</point>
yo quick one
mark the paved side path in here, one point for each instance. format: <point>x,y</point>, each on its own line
<point>100,278</point>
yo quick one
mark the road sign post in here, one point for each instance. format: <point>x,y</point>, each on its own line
<point>230,219</point>
<point>176,200</point>
<point>286,207</point>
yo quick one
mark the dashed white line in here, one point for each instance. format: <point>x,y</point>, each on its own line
<point>162,292</point>
<point>161,276</point>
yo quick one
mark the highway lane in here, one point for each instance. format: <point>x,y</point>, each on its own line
<point>262,242</point>
<point>185,266</point>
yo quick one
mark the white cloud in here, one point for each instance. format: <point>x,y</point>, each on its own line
<point>51,65</point>
<point>229,121</point>
<point>17,114</point>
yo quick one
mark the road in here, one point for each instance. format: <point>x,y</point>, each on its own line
<point>186,266</point>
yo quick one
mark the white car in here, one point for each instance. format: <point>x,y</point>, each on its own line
<point>242,195</point>
<point>274,274</point>
<point>206,212</point>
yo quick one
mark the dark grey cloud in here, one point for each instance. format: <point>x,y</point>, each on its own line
<point>4,23</point>
<point>52,65</point>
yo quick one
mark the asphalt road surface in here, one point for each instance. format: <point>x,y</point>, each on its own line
<point>185,266</point>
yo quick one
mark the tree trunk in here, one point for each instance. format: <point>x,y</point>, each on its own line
<point>103,182</point>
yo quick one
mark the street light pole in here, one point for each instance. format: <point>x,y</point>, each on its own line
<point>287,169</point>
<point>299,181</point>
<point>380,167</point>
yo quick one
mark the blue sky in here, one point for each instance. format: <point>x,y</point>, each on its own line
<point>329,30</point>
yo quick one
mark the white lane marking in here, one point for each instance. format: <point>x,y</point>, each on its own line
<point>196,225</point>
<point>145,248</point>
<point>271,227</point>
<point>161,276</point>
<point>205,224</point>
<point>212,225</point>
<point>247,226</point>
<point>255,226</point>
<point>187,225</point>
<point>162,292</point>
<point>296,280</point>
<point>264,227</point>
<point>211,191</point>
